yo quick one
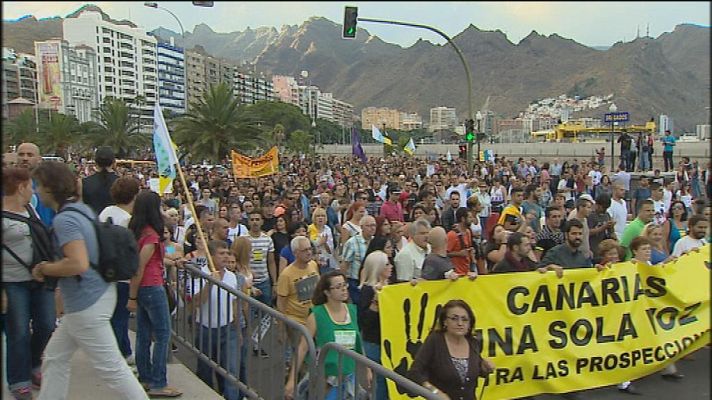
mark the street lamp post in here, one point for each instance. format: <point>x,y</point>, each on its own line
<point>470,114</point>
<point>612,109</point>
<point>478,116</point>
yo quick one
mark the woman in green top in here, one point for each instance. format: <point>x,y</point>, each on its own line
<point>332,319</point>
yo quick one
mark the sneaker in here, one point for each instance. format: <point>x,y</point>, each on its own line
<point>24,393</point>
<point>174,348</point>
<point>131,359</point>
<point>36,380</point>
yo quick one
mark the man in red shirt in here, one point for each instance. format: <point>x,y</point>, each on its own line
<point>459,243</point>
<point>392,209</point>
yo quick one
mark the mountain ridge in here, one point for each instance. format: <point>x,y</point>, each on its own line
<point>648,76</point>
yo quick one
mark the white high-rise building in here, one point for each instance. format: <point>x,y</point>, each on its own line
<point>66,78</point>
<point>325,107</point>
<point>127,60</point>
<point>171,78</point>
<point>442,118</point>
<point>666,124</point>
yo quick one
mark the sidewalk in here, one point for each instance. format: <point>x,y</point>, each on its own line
<point>85,384</point>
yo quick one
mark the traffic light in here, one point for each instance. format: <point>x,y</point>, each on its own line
<point>350,20</point>
<point>463,151</point>
<point>469,130</point>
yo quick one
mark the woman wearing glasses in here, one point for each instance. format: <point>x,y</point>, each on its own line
<point>332,319</point>
<point>449,361</point>
<point>675,227</point>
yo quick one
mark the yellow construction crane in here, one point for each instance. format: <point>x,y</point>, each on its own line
<point>576,131</point>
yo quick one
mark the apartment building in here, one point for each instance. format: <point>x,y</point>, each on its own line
<point>171,78</point>
<point>126,59</point>
<point>196,82</point>
<point>379,117</point>
<point>343,113</point>
<point>410,121</point>
<point>19,81</point>
<point>67,78</point>
<point>442,118</point>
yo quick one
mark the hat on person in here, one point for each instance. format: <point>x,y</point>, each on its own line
<point>104,156</point>
<point>586,196</point>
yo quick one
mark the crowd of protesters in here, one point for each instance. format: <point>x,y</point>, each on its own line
<point>324,231</point>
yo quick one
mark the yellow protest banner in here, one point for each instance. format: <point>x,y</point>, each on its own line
<point>248,167</point>
<point>555,335</point>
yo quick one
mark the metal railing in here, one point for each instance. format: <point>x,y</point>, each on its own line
<point>341,383</point>
<point>252,351</point>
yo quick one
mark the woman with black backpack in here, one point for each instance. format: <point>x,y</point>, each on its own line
<point>29,302</point>
<point>89,300</point>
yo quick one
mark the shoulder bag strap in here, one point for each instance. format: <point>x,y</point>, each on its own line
<point>12,253</point>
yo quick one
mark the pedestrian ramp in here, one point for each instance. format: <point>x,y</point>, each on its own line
<point>85,383</point>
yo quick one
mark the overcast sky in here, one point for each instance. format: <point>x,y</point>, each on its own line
<point>589,23</point>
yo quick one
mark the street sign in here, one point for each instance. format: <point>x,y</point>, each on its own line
<point>616,117</point>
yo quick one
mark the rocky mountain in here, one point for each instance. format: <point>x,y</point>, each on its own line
<point>648,77</point>
<point>22,34</point>
<point>669,74</point>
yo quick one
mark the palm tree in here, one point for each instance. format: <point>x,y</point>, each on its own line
<point>58,134</point>
<point>20,129</point>
<point>214,126</point>
<point>278,135</point>
<point>117,129</point>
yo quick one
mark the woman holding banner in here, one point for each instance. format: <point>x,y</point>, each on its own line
<point>449,361</point>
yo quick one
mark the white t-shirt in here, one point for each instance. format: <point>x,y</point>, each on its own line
<point>595,177</point>
<point>233,233</point>
<point>220,313</point>
<point>687,243</point>
<point>619,213</point>
<point>667,199</point>
<point>118,216</point>
<point>659,208</point>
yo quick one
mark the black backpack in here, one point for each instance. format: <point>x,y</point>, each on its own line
<point>118,249</point>
<point>43,247</point>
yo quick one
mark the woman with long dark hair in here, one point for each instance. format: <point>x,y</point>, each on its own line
<point>89,301</point>
<point>147,297</point>
<point>675,226</point>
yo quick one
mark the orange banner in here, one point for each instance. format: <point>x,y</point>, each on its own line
<point>248,167</point>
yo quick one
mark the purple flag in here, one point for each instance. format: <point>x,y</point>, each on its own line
<point>356,148</point>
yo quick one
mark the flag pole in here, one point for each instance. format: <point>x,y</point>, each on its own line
<point>189,198</point>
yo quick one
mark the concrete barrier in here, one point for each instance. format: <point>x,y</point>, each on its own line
<point>697,151</point>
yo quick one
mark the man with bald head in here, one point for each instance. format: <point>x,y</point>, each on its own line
<point>28,156</point>
<point>353,254</point>
<point>437,264</point>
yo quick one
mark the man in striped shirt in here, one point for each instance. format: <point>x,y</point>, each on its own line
<point>262,262</point>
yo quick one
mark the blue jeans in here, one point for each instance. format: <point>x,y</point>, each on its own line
<point>120,319</point>
<point>207,342</point>
<point>643,161</point>
<point>153,321</point>
<point>266,296</point>
<point>27,302</point>
<point>373,352</point>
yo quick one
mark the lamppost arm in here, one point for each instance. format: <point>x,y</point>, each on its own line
<point>457,49</point>
<point>182,31</point>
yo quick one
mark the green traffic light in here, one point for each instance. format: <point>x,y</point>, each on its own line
<point>351,31</point>
<point>470,136</point>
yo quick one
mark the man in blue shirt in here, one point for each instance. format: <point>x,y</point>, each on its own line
<point>668,146</point>
<point>28,156</point>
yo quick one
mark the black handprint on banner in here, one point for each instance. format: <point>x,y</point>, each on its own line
<point>412,346</point>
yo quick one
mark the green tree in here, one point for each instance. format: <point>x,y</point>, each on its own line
<point>117,129</point>
<point>215,125</point>
<point>20,129</point>
<point>58,133</point>
<point>272,113</point>
<point>300,141</point>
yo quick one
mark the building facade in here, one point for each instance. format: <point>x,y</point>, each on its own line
<point>379,117</point>
<point>442,118</point>
<point>195,76</point>
<point>126,59</point>
<point>19,79</point>
<point>67,79</point>
<point>410,121</point>
<point>666,124</point>
<point>343,113</point>
<point>171,78</point>
<point>286,89</point>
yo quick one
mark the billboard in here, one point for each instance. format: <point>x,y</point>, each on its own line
<point>49,75</point>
